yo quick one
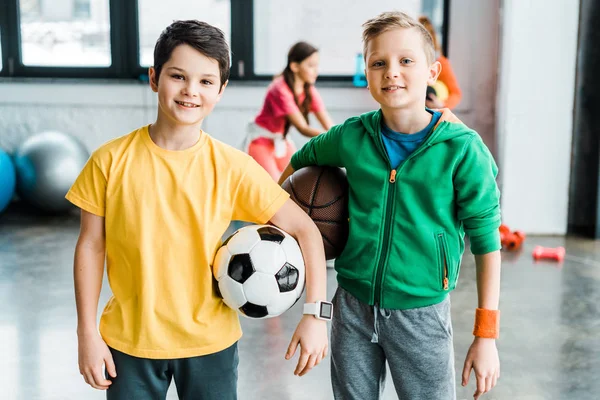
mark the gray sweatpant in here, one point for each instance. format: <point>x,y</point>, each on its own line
<point>417,344</point>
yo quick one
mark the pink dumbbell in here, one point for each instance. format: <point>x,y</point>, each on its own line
<point>557,253</point>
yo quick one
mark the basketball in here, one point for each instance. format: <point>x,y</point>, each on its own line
<point>322,192</point>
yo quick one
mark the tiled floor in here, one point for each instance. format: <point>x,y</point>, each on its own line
<point>549,346</point>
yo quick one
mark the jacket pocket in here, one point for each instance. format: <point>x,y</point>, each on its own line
<point>443,261</point>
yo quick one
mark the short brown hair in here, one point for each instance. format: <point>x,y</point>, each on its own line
<point>207,39</point>
<point>396,19</point>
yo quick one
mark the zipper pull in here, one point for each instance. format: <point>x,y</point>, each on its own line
<point>445,281</point>
<point>393,176</point>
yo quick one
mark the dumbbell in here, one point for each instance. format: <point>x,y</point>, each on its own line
<point>514,240</point>
<point>504,232</point>
<point>557,254</point>
<point>511,240</point>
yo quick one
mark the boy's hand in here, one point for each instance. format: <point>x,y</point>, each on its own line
<point>93,354</point>
<point>311,335</point>
<point>483,358</point>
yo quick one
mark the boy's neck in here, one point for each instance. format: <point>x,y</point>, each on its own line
<point>406,120</point>
<point>170,136</point>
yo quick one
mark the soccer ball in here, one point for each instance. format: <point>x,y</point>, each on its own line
<point>260,271</point>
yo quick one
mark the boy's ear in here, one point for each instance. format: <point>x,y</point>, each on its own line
<point>222,90</point>
<point>434,72</point>
<point>152,78</point>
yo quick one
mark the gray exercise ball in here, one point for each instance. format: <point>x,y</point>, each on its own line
<point>47,164</point>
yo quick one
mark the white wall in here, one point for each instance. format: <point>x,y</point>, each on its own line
<point>98,112</point>
<point>473,50</point>
<point>535,111</point>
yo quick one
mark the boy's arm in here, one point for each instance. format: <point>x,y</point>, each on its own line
<point>289,170</point>
<point>311,333</point>
<point>483,354</point>
<point>478,201</point>
<point>291,219</point>
<point>488,280</point>
<point>88,270</point>
<point>321,150</point>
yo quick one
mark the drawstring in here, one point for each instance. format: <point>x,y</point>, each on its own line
<point>375,336</point>
<point>385,314</point>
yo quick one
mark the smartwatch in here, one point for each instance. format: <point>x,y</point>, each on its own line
<point>321,310</point>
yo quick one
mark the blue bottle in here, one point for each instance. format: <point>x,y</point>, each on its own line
<point>359,79</point>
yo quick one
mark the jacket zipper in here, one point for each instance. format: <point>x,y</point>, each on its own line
<point>386,235</point>
<point>383,255</point>
<point>445,280</point>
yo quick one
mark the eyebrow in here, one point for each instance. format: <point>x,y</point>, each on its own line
<point>182,70</point>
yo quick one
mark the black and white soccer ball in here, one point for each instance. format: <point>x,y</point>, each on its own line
<point>260,271</point>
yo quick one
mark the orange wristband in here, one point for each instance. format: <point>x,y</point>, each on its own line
<point>487,323</point>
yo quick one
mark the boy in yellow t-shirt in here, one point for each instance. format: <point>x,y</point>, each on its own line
<point>155,204</point>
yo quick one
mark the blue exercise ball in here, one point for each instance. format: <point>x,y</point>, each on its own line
<point>7,180</point>
<point>47,165</point>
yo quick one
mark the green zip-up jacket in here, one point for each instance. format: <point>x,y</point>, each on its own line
<point>408,222</point>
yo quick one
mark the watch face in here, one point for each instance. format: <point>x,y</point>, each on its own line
<point>326,309</point>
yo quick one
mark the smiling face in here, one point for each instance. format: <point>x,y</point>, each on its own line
<point>188,87</point>
<point>397,69</point>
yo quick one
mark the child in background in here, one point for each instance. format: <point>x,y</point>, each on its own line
<point>155,203</point>
<point>446,77</point>
<point>289,100</point>
<point>418,180</point>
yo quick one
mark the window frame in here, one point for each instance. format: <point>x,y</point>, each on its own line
<point>124,22</point>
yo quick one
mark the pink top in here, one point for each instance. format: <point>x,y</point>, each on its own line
<point>279,103</point>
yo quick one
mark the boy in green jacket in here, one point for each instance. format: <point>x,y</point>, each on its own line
<point>419,180</point>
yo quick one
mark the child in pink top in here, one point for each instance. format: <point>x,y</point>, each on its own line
<point>290,98</point>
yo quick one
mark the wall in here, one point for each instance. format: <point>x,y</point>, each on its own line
<point>535,112</point>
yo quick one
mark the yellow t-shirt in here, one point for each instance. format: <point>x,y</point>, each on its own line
<point>165,213</point>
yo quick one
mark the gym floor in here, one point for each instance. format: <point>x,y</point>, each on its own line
<point>549,345</point>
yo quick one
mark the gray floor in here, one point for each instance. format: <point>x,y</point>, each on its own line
<point>549,346</point>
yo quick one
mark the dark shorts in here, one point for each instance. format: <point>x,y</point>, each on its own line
<point>209,377</point>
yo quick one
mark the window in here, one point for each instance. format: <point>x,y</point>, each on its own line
<point>116,38</point>
<point>57,33</point>
<point>82,9</point>
<point>154,17</point>
<point>334,27</point>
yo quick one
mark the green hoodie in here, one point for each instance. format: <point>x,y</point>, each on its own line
<point>407,224</point>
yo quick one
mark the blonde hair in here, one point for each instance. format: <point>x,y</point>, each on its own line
<point>396,19</point>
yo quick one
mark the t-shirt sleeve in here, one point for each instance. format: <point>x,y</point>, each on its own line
<point>89,190</point>
<point>258,197</point>
<point>282,101</point>
<point>317,103</point>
